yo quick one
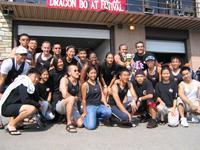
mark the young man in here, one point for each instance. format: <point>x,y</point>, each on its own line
<point>189,101</point>
<point>140,56</point>
<point>19,101</point>
<point>56,50</point>
<point>152,72</point>
<point>145,102</point>
<point>69,88</point>
<point>119,58</point>
<point>23,41</point>
<point>32,46</point>
<point>120,106</point>
<point>43,60</point>
<point>175,69</point>
<point>12,67</point>
<point>81,58</point>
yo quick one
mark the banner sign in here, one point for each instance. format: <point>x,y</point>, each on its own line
<point>97,5</point>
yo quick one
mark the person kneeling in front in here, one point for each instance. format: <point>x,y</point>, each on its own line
<point>123,109</point>
<point>19,100</point>
<point>145,102</point>
<point>94,103</point>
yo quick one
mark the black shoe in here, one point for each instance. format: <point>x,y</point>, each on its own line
<point>40,122</point>
<point>152,123</point>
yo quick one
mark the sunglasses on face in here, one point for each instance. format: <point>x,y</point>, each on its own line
<point>23,54</point>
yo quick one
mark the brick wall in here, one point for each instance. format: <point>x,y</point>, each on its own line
<point>5,36</point>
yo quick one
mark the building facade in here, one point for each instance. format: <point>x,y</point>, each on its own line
<point>168,27</point>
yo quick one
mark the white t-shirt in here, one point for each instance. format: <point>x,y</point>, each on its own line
<point>7,64</point>
<point>191,90</point>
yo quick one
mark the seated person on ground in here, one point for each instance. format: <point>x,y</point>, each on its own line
<point>189,100</point>
<point>44,90</point>
<point>145,102</point>
<point>69,88</point>
<point>121,108</point>
<point>166,95</point>
<point>19,101</point>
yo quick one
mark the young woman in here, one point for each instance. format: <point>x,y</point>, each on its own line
<point>93,101</point>
<point>45,93</point>
<point>152,72</point>
<point>93,62</point>
<point>55,76</point>
<point>69,58</point>
<point>166,95</point>
<point>109,70</point>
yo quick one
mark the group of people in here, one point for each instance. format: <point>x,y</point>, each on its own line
<point>44,87</point>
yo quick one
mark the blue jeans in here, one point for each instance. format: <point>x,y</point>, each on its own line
<point>121,116</point>
<point>94,113</point>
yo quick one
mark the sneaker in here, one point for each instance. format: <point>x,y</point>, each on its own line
<point>152,123</point>
<point>194,119</point>
<point>184,122</point>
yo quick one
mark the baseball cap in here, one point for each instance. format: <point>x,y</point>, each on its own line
<point>150,57</point>
<point>21,50</point>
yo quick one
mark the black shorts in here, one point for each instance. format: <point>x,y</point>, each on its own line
<point>11,110</point>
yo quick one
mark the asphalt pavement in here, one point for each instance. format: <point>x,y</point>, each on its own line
<point>104,138</point>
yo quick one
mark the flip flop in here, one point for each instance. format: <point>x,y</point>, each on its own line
<point>13,132</point>
<point>70,128</point>
<point>28,121</point>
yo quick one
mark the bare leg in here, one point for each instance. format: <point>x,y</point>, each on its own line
<point>25,111</point>
<point>69,103</point>
<point>181,110</point>
<point>153,112</point>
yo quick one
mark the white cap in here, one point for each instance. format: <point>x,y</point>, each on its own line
<point>21,50</point>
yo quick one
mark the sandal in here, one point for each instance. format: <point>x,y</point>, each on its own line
<point>28,121</point>
<point>13,131</point>
<point>70,128</point>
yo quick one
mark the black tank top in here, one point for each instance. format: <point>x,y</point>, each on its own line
<point>43,63</point>
<point>93,94</point>
<point>176,78</point>
<point>13,73</point>
<point>73,89</point>
<point>121,92</point>
<point>153,78</point>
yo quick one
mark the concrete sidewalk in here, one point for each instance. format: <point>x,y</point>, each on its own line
<point>105,138</point>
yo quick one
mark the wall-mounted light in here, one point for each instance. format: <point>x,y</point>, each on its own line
<point>7,12</point>
<point>131,27</point>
